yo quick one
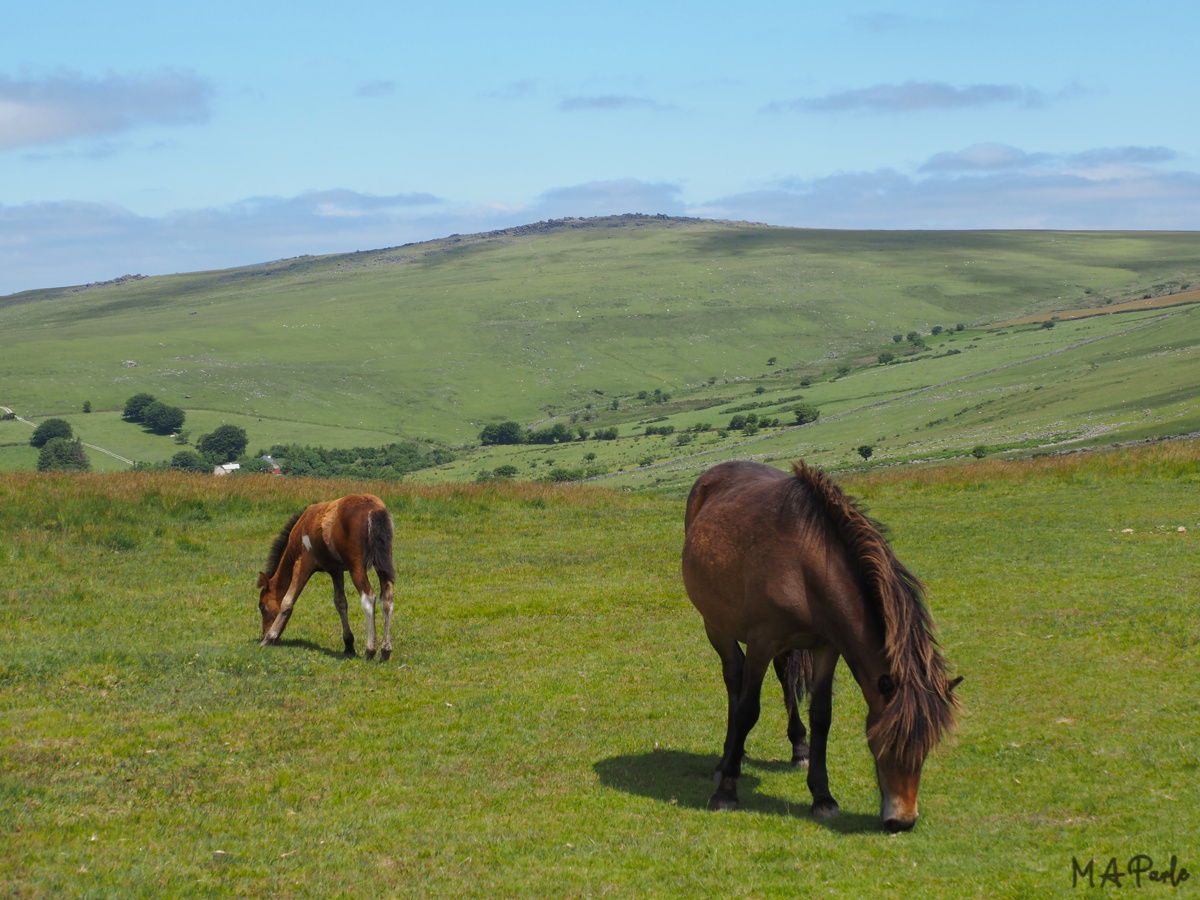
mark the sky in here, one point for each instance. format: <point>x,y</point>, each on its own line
<point>149,138</point>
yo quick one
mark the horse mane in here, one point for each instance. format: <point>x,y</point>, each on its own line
<point>279,545</point>
<point>921,708</point>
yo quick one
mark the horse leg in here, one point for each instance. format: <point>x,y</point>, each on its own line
<point>302,571</point>
<point>820,716</point>
<point>732,662</point>
<point>339,602</point>
<point>387,598</point>
<point>748,707</point>
<point>788,671</point>
<point>366,596</point>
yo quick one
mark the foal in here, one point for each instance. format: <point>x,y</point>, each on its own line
<point>351,534</point>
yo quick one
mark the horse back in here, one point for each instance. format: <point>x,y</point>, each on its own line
<point>747,561</point>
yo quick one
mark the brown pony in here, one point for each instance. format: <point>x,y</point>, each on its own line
<point>789,566</point>
<point>354,534</point>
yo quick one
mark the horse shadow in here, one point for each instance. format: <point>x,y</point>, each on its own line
<point>301,644</point>
<point>685,779</point>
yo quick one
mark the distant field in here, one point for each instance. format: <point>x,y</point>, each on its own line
<point>558,323</point>
<point>1163,302</point>
<point>552,712</point>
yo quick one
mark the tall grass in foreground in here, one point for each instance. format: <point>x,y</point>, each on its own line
<point>552,711</point>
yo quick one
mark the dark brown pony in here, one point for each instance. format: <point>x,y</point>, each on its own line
<point>789,566</point>
<point>352,534</point>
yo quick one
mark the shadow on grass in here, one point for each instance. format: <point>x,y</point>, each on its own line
<point>685,779</point>
<point>284,643</point>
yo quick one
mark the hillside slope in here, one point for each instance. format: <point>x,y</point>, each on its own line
<point>432,341</point>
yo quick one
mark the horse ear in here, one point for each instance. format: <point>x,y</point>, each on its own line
<point>955,683</point>
<point>264,581</point>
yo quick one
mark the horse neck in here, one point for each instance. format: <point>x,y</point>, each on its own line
<point>281,579</point>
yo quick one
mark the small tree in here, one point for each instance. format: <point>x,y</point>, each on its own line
<point>49,430</point>
<point>162,418</point>
<point>506,471</point>
<point>87,406</point>
<point>865,451</point>
<point>135,405</point>
<point>771,361</point>
<point>897,338</point>
<point>937,329</point>
<point>223,444</point>
<point>979,451</point>
<point>189,461</point>
<point>1049,323</point>
<point>806,413</point>
<point>912,337</point>
<point>502,433</point>
<point>886,357</point>
<point>63,454</point>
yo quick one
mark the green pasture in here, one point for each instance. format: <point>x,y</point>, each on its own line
<point>552,711</point>
<point>433,341</point>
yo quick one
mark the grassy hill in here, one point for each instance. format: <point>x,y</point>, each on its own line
<point>556,322</point>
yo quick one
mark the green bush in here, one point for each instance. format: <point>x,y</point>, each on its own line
<point>223,444</point>
<point>502,433</point>
<point>49,430</point>
<point>136,405</point>
<point>161,418</point>
<point>63,454</point>
<point>806,413</point>
<point>189,461</point>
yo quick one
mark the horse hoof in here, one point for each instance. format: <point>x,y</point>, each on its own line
<point>385,655</point>
<point>723,801</point>
<point>800,757</point>
<point>370,654</point>
<point>826,809</point>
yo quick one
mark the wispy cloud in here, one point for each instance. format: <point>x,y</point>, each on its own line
<point>515,90</point>
<point>983,158</point>
<point>1107,156</point>
<point>912,96</point>
<point>611,102</point>
<point>377,88</point>
<point>606,198</point>
<point>989,186</point>
<point>35,112</point>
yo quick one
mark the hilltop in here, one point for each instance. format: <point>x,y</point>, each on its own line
<point>628,322</point>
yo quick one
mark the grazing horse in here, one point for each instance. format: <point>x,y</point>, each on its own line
<point>789,566</point>
<point>354,534</point>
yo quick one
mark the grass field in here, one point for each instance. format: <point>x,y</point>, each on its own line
<point>548,721</point>
<point>433,341</point>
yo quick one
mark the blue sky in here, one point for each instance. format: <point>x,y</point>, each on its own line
<point>155,138</point>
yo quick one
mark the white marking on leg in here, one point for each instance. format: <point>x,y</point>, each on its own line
<point>307,543</point>
<point>368,605</point>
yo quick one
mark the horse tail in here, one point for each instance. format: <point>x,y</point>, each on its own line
<point>800,673</point>
<point>379,543</point>
<point>922,704</point>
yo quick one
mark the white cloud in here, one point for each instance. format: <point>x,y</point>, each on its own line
<point>983,158</point>
<point>1043,198</point>
<point>611,102</point>
<point>607,198</point>
<point>377,88</point>
<point>912,96</point>
<point>67,105</point>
